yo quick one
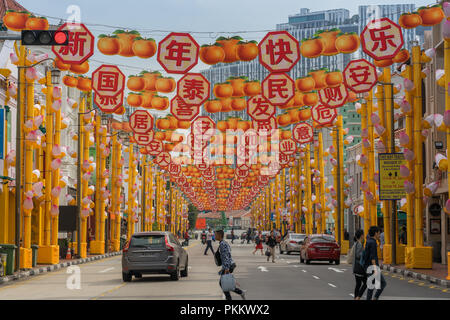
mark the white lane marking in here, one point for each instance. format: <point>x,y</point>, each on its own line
<point>316,277</point>
<point>290,261</point>
<point>263,269</point>
<point>331,285</point>
<point>304,270</point>
<point>106,270</point>
<point>336,270</point>
<point>296,266</point>
<point>351,294</point>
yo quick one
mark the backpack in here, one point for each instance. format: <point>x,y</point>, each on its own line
<point>217,258</point>
<point>362,260</point>
<point>257,240</point>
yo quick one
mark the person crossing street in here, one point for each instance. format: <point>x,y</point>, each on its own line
<point>209,239</point>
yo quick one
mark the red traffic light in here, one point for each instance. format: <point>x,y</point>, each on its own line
<point>60,37</point>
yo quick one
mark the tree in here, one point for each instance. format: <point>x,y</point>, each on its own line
<point>192,216</point>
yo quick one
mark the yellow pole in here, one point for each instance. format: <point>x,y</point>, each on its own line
<point>118,193</point>
<point>4,202</point>
<point>410,164</point>
<point>130,191</point>
<point>418,166</point>
<point>447,107</point>
<point>95,247</point>
<point>335,182</point>
<point>341,174</point>
<point>150,197</point>
<point>84,140</point>
<point>321,168</point>
<point>55,178</point>
<point>366,177</point>
<point>102,185</point>
<point>277,201</point>
<point>48,160</point>
<point>371,166</point>
<point>317,222</point>
<point>28,173</point>
<point>387,205</point>
<point>309,212</point>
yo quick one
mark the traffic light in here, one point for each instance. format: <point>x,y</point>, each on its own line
<point>45,38</point>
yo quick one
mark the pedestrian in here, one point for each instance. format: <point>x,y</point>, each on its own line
<point>271,243</point>
<point>259,241</point>
<point>209,237</point>
<point>381,240</point>
<point>358,270</point>
<point>249,235</point>
<point>228,264</point>
<point>186,237</point>
<point>371,260</point>
<point>403,236</point>
<point>232,235</point>
<point>346,235</point>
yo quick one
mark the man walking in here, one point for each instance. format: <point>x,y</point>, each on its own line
<point>232,235</point>
<point>271,243</point>
<point>209,236</point>
<point>228,264</point>
<point>371,260</point>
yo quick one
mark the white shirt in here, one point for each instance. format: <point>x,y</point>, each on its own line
<point>209,236</point>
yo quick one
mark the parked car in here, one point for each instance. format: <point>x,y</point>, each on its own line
<point>154,252</point>
<point>291,243</point>
<point>321,247</point>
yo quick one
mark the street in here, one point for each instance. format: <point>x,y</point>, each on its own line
<point>286,279</point>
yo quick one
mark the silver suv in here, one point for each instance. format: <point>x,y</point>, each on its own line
<point>154,252</point>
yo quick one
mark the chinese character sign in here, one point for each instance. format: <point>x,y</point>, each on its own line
<point>265,127</point>
<point>193,89</point>
<point>360,76</point>
<point>260,109</point>
<point>141,121</point>
<point>163,159</point>
<point>182,111</point>
<point>155,147</point>
<point>204,127</point>
<point>81,45</point>
<point>279,51</point>
<point>278,88</point>
<point>108,81</point>
<point>382,39</point>
<point>323,115</point>
<point>288,147</point>
<point>109,104</point>
<point>334,97</point>
<point>303,133</point>
<point>178,53</point>
<point>144,139</point>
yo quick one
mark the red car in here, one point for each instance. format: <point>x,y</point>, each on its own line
<point>321,247</point>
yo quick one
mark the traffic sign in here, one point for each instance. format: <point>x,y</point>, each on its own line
<point>391,182</point>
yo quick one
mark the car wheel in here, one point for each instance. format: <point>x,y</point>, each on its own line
<point>337,262</point>
<point>138,275</point>
<point>126,276</point>
<point>301,259</point>
<point>175,276</point>
<point>288,252</point>
<point>184,273</point>
<point>331,261</point>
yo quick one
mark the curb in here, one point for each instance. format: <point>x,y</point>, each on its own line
<point>417,276</point>
<point>40,270</point>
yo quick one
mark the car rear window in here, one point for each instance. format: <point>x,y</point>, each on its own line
<point>297,236</point>
<point>147,241</point>
<point>322,239</point>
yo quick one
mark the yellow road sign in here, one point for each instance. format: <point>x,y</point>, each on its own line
<point>391,183</point>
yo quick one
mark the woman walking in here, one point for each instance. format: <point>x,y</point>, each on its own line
<point>259,245</point>
<point>358,269</point>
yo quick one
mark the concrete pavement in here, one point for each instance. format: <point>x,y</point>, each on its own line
<point>286,279</point>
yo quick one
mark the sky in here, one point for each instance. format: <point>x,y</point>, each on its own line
<point>208,16</point>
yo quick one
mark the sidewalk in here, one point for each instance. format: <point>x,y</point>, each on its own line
<point>437,274</point>
<point>39,269</point>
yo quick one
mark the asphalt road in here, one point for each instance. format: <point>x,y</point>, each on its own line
<point>286,279</point>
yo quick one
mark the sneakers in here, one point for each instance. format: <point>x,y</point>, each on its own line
<point>243,294</point>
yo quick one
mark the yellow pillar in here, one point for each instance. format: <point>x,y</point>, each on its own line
<point>344,243</point>
<point>418,256</point>
<point>4,196</point>
<point>321,168</point>
<point>371,164</point>
<point>365,169</point>
<point>309,213</point>
<point>447,107</point>
<point>84,140</point>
